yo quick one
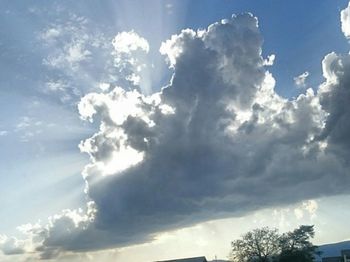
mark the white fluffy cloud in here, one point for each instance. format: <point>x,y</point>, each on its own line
<point>270,60</point>
<point>217,141</point>
<point>345,21</point>
<point>127,42</point>
<point>11,245</point>
<point>130,58</point>
<point>46,241</point>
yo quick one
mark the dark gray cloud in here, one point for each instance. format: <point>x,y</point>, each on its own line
<point>335,96</point>
<point>216,142</point>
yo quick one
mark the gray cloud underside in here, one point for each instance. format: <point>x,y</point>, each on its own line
<point>229,145</point>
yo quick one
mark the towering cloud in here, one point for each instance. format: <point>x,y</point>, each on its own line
<point>217,141</point>
<point>334,97</point>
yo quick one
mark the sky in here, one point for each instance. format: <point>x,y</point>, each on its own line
<point>150,130</point>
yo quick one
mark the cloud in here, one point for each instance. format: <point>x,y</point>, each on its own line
<point>299,214</point>
<point>11,246</point>
<point>310,207</point>
<point>72,55</point>
<point>3,133</point>
<point>127,42</point>
<point>48,240</point>
<point>76,57</point>
<point>169,8</point>
<point>79,58</point>
<point>270,60</point>
<point>50,34</point>
<point>28,127</point>
<point>334,97</point>
<point>65,90</point>
<point>217,141</point>
<point>301,79</point>
<point>70,44</point>
<point>345,21</point>
<point>31,239</point>
<point>130,59</point>
<point>64,230</point>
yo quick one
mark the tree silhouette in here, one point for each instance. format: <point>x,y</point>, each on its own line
<point>267,245</point>
<point>260,245</point>
<point>296,245</point>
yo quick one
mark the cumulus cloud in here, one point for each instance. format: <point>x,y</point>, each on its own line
<point>345,21</point>
<point>270,60</point>
<point>11,245</point>
<point>300,80</point>
<point>334,97</point>
<point>63,230</point>
<point>217,141</point>
<point>130,58</point>
<point>45,241</point>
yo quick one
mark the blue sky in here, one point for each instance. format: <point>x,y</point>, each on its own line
<point>57,56</point>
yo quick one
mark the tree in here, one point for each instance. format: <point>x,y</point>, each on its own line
<point>267,245</point>
<point>258,245</point>
<point>296,245</point>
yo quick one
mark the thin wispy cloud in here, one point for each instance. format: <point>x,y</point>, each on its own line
<point>300,80</point>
